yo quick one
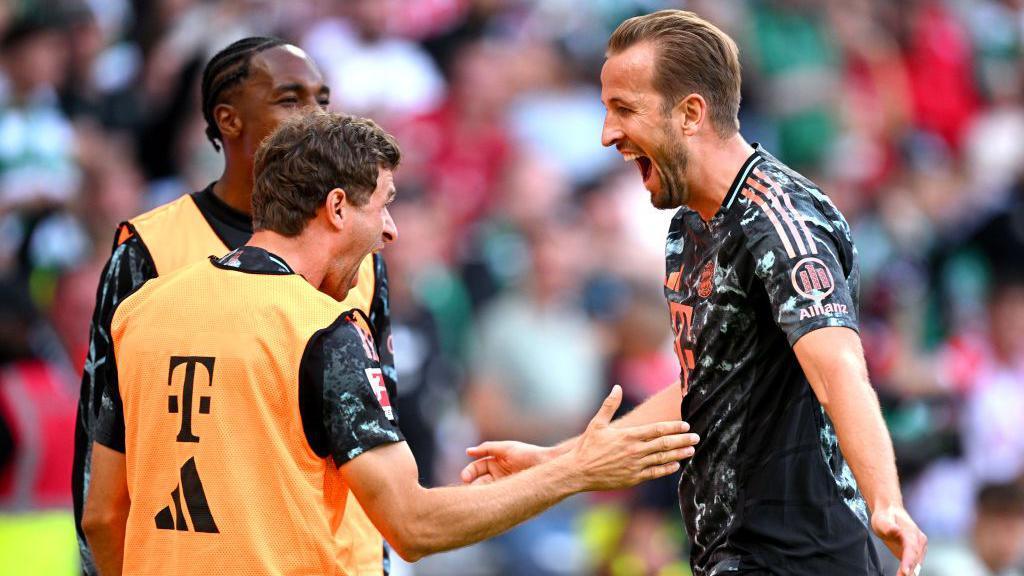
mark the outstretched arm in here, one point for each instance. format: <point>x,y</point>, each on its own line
<point>497,459</point>
<point>418,521</point>
<point>833,361</point>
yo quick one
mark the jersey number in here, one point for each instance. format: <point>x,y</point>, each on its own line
<point>682,318</point>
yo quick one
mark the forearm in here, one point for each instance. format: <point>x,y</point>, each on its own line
<point>451,517</point>
<point>108,547</point>
<point>853,407</point>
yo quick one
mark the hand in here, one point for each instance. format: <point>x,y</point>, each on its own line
<point>609,458</point>
<point>496,460</point>
<point>899,532</point>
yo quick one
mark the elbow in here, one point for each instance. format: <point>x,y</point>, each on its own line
<point>100,523</point>
<point>407,550</point>
<point>408,545</point>
<point>415,539</point>
<point>95,524</point>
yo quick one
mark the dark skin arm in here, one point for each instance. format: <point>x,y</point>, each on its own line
<point>105,518</point>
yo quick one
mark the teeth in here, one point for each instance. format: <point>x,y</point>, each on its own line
<point>629,156</point>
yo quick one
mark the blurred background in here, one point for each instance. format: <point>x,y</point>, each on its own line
<point>527,275</point>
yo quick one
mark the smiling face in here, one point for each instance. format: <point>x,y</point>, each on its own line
<point>283,82</point>
<point>642,127</point>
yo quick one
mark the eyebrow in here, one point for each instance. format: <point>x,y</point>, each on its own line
<point>296,87</point>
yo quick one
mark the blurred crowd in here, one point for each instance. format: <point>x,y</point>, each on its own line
<point>526,278</point>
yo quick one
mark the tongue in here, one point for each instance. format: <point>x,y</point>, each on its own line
<point>645,167</point>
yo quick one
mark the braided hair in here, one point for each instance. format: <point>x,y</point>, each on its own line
<point>227,69</point>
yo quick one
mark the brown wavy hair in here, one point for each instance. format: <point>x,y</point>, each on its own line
<point>694,56</point>
<point>307,157</point>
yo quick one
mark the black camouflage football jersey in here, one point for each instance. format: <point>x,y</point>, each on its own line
<point>767,488</point>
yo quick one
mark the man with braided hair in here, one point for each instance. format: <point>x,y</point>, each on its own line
<point>248,89</point>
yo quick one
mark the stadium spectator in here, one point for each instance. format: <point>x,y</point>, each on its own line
<point>996,544</point>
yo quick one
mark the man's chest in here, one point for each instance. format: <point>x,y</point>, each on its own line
<point>714,300</point>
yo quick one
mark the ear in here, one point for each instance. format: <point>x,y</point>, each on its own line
<point>691,113</point>
<point>334,208</point>
<point>228,121</point>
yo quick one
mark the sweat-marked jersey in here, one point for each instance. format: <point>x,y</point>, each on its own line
<point>160,241</point>
<point>767,487</point>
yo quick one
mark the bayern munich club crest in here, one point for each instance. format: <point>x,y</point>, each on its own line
<point>707,276</point>
<point>812,279</point>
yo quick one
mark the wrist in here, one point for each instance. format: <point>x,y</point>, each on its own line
<point>569,479</point>
<point>882,504</point>
<point>560,449</point>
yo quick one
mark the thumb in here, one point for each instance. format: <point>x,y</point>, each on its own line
<point>480,450</point>
<point>608,407</point>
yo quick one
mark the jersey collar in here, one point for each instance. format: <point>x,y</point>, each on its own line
<point>253,260</point>
<point>755,158</point>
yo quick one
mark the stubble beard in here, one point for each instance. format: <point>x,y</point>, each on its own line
<point>671,162</point>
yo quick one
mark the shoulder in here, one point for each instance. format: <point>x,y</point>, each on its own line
<point>779,208</point>
<point>164,212</point>
<point>130,257</point>
<point>154,287</point>
<point>341,361</point>
<point>344,342</point>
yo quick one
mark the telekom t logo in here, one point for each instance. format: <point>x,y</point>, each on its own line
<point>185,432</point>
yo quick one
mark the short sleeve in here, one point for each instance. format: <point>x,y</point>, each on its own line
<point>804,258</point>
<point>343,397</point>
<point>109,425</point>
<point>129,267</point>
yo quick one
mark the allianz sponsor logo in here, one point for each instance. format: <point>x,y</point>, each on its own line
<point>818,309</point>
<point>813,280</point>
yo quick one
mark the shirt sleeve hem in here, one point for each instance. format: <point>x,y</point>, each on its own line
<point>357,451</point>
<point>827,322</point>
<point>115,444</point>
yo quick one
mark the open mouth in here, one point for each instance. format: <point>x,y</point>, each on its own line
<point>643,163</point>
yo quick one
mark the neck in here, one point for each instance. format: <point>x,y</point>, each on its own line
<point>234,187</point>
<point>300,252</point>
<point>711,177</point>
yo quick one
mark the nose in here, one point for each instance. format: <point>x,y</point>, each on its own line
<point>390,230</point>
<point>610,132</point>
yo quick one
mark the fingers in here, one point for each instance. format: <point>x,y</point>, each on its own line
<point>914,545</point>
<point>608,407</point>
<point>486,449</point>
<point>659,471</point>
<point>666,457</point>
<point>474,470</point>
<point>651,431</point>
<point>668,443</point>
<point>485,479</point>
